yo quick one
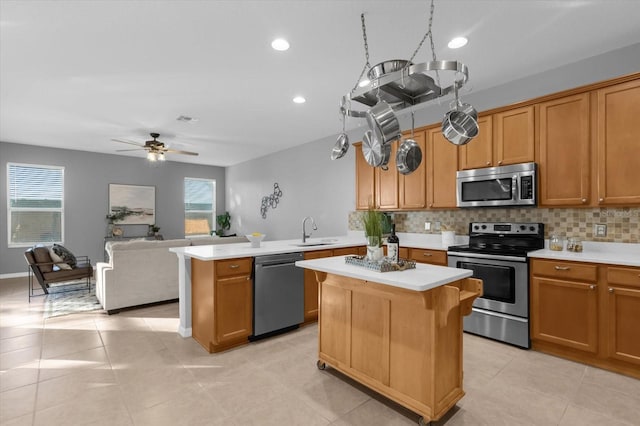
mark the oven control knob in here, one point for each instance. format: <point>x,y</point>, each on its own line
<point>532,228</point>
<point>522,227</point>
<point>484,226</point>
<point>476,227</point>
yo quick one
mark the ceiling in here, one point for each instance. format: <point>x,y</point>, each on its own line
<point>76,74</point>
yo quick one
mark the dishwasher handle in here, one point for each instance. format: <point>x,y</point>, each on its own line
<point>274,264</point>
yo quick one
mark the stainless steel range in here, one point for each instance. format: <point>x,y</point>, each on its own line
<point>497,254</point>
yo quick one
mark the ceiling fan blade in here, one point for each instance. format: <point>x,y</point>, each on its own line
<point>128,141</point>
<point>134,149</point>
<point>175,151</point>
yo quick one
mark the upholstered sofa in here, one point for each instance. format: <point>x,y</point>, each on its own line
<point>143,272</point>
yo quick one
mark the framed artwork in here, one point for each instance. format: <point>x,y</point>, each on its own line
<point>132,204</point>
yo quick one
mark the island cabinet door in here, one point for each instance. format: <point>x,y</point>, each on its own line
<point>234,309</point>
<point>311,286</point>
<point>335,323</point>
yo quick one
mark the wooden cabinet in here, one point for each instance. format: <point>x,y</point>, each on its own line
<point>564,304</point>
<point>365,181</point>
<point>479,152</point>
<point>222,302</point>
<point>587,312</point>
<point>442,165</point>
<point>564,151</point>
<point>618,146</point>
<point>386,183</point>
<point>311,284</point>
<point>412,188</point>
<point>434,257</point>
<point>623,308</point>
<point>514,136</point>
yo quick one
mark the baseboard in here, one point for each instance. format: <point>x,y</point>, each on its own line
<point>14,275</point>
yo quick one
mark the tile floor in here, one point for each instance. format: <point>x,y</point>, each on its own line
<point>133,369</point>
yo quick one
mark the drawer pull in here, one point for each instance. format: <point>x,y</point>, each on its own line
<point>562,268</point>
<point>610,290</point>
<point>234,266</point>
<point>427,254</point>
<point>592,287</point>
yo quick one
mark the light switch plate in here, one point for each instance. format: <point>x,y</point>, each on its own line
<point>437,226</point>
<point>600,230</point>
<point>427,226</point>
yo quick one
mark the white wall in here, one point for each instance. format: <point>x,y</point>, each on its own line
<point>311,183</point>
<point>314,185</point>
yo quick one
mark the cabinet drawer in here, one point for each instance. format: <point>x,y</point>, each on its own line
<point>437,257</point>
<point>625,276</point>
<point>566,270</point>
<point>229,267</point>
<point>346,251</point>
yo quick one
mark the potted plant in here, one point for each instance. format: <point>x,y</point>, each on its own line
<point>372,221</point>
<point>224,223</point>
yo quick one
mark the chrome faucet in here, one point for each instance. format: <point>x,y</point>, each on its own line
<point>304,232</point>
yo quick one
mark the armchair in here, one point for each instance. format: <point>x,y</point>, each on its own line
<point>41,266</point>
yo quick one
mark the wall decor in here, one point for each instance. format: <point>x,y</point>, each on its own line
<point>271,200</point>
<point>133,204</point>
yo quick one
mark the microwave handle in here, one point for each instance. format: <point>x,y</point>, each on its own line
<point>514,188</point>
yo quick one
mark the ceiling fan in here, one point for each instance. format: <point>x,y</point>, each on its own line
<point>155,149</point>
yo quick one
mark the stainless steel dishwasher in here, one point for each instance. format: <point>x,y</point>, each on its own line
<point>278,294</point>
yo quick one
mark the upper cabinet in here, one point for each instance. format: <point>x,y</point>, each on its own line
<point>479,152</point>
<point>513,136</point>
<point>386,182</point>
<point>412,192</point>
<point>442,164</point>
<point>618,144</point>
<point>563,151</point>
<point>365,180</point>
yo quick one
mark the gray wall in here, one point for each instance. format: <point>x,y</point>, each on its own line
<point>87,177</point>
<point>315,185</point>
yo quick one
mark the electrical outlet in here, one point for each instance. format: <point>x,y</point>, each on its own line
<point>600,230</point>
<point>427,226</point>
<point>437,227</point>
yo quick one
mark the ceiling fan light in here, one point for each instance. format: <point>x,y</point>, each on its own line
<point>151,156</point>
<point>161,157</point>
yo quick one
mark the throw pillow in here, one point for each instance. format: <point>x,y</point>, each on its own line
<point>59,261</point>
<point>41,255</point>
<point>65,254</point>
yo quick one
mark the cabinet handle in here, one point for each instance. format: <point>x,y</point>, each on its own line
<point>234,266</point>
<point>500,162</point>
<point>592,287</point>
<point>562,268</point>
<point>584,200</point>
<point>427,254</point>
<point>601,200</point>
<point>610,290</point>
<point>488,163</point>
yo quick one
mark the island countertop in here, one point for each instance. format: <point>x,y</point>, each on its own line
<point>423,277</point>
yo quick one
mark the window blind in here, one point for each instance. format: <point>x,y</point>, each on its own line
<point>35,204</point>
<point>199,206</point>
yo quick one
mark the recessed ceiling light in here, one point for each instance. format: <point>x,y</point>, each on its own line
<point>299,100</point>
<point>280,44</point>
<point>186,119</point>
<point>364,83</point>
<point>457,42</point>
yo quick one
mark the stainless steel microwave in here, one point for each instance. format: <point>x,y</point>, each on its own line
<point>513,185</point>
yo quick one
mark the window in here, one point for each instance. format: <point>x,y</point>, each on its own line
<point>35,204</point>
<point>199,206</point>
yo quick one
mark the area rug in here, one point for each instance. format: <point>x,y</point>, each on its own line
<point>70,299</point>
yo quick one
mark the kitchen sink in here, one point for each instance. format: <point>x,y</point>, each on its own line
<point>326,242</point>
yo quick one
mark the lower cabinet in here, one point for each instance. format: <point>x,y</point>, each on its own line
<point>311,284</point>
<point>587,312</point>
<point>222,302</point>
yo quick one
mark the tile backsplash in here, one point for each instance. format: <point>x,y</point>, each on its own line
<point>623,224</point>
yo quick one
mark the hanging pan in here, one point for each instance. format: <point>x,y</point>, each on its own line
<point>460,125</point>
<point>375,152</point>
<point>409,155</point>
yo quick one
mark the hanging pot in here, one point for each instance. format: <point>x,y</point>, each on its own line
<point>374,151</point>
<point>342,144</point>
<point>409,155</point>
<point>460,125</point>
<point>383,123</point>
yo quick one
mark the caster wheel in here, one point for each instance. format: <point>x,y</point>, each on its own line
<point>422,422</point>
<point>321,365</point>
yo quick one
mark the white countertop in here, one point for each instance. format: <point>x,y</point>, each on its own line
<point>594,252</point>
<point>424,277</point>
<point>230,251</point>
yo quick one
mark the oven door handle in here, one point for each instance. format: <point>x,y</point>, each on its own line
<point>459,254</point>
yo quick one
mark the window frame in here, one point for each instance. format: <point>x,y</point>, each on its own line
<point>10,209</point>
<point>213,205</point>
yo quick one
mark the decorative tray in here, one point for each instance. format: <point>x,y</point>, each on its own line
<point>384,265</point>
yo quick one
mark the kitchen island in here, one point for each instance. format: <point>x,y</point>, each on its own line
<point>398,333</point>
